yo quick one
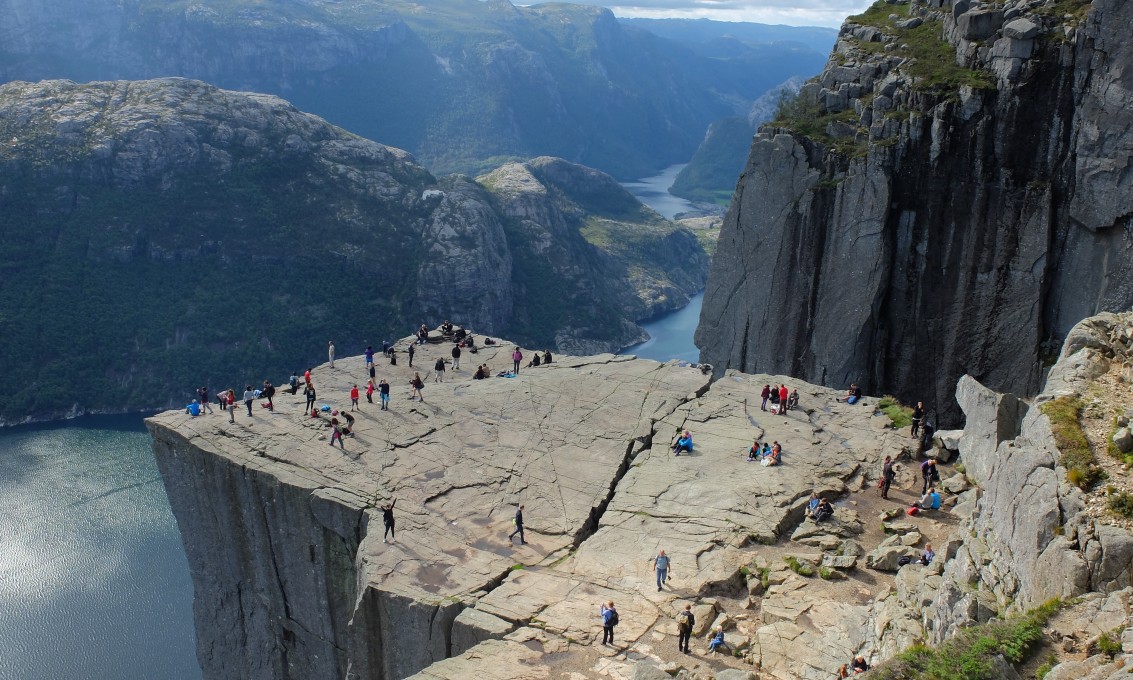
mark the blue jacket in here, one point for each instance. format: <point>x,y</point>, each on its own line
<point>607,616</point>
<point>935,500</point>
<point>194,409</point>
<point>718,637</point>
<point>685,441</point>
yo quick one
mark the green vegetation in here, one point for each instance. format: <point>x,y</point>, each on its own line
<point>825,573</point>
<point>800,568</point>
<point>900,415</point>
<point>812,120</point>
<point>1046,667</point>
<point>1109,643</point>
<point>1120,503</point>
<point>1064,414</point>
<point>710,176</point>
<point>934,66</point>
<point>971,654</point>
<point>765,577</point>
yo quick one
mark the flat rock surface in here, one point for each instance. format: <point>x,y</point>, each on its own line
<point>582,438</point>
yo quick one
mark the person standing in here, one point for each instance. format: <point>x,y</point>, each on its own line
<point>516,357</point>
<point>387,519</point>
<point>354,397</point>
<point>370,390</point>
<point>330,352</point>
<point>268,393</point>
<point>765,394</point>
<point>686,620</point>
<point>249,397</point>
<point>412,351</point>
<point>230,397</point>
<point>455,357</point>
<point>518,526</point>
<point>418,385</point>
<point>929,473</point>
<point>203,397</point>
<point>373,372</point>
<point>336,433</point>
<point>439,370</point>
<point>888,474</point>
<point>784,394</point>
<point>383,394</point>
<point>369,356</point>
<point>918,417</point>
<point>661,567</point>
<point>609,621</point>
<point>294,383</point>
<point>309,392</point>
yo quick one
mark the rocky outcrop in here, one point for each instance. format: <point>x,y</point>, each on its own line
<point>294,579</point>
<point>239,215</point>
<point>1025,536</point>
<point>908,221</point>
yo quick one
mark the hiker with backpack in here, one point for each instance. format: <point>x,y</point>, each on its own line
<point>685,622</point>
<point>609,621</point>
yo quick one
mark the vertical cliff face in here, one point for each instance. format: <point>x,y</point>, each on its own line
<point>949,197</point>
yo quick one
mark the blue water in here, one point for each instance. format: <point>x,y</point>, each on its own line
<point>654,192</point>
<point>93,578</point>
<point>670,336</point>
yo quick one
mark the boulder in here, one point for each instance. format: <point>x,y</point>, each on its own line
<point>979,24</point>
<point>956,484</point>
<point>472,626</point>
<point>735,674</point>
<point>1021,29</point>
<point>900,527</point>
<point>704,615</point>
<point>839,561</point>
<point>1123,440</point>
<point>647,670</point>
<point>885,558</point>
<point>851,548</point>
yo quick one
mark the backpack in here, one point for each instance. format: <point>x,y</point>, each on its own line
<point>683,621</point>
<point>903,560</point>
<point>614,618</point>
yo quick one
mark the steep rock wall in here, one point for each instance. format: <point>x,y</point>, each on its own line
<point>906,226</point>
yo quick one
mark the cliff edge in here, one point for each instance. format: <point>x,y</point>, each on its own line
<point>949,197</point>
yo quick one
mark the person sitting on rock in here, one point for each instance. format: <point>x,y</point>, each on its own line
<point>754,452</point>
<point>717,640</point>
<point>684,443</point>
<point>793,400</point>
<point>928,554</point>
<point>479,374</point>
<point>812,505</point>
<point>859,665</point>
<point>194,408</point>
<point>547,358</point>
<point>852,395</point>
<point>929,501</point>
<point>535,360</point>
<point>825,511</point>
<point>774,457</point>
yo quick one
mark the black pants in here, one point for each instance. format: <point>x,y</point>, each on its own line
<point>518,530</point>
<point>389,531</point>
<point>927,483</point>
<point>370,397</point>
<point>516,366</point>
<point>885,488</point>
<point>310,404</point>
<point>682,639</point>
<point>916,427</point>
<point>249,405</point>
<point>607,634</point>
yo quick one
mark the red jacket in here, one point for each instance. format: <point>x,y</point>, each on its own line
<point>783,394</point>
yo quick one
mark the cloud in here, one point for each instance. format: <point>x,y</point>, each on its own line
<point>790,12</point>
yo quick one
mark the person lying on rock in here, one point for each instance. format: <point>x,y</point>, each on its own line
<point>683,443</point>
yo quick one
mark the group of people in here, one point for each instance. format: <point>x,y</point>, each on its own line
<point>226,400</point>
<point>765,454</point>
<point>819,508</point>
<point>782,399</point>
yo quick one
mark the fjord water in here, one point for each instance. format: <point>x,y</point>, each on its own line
<point>654,192</point>
<point>670,335</point>
<point>93,577</point>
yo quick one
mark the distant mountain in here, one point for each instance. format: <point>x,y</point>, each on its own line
<point>463,84</point>
<point>710,176</point>
<point>709,33</point>
<point>157,235</point>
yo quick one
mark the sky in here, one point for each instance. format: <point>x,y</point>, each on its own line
<point>790,12</point>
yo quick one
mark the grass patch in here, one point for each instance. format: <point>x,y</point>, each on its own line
<point>800,568</point>
<point>1081,467</point>
<point>899,414</point>
<point>934,66</point>
<point>971,654</point>
<point>1121,504</point>
<point>1109,643</point>
<point>518,567</point>
<point>825,573</point>
<point>812,120</point>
